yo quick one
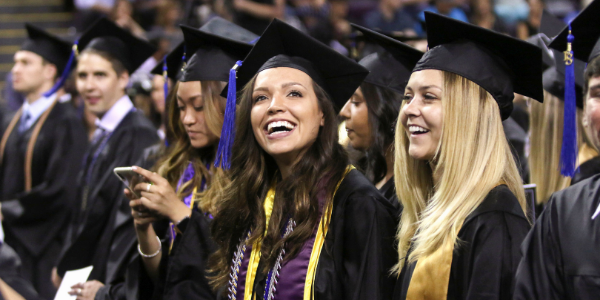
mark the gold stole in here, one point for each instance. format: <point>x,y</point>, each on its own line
<point>431,275</point>
<point>314,255</point>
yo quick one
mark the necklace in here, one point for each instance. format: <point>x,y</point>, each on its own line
<point>238,257</point>
<point>273,277</point>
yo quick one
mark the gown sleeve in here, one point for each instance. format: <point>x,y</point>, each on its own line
<point>540,272</point>
<point>92,238</point>
<point>486,256</point>
<point>361,239</point>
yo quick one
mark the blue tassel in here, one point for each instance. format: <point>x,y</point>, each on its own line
<point>568,154</point>
<point>183,62</point>
<point>223,158</point>
<point>165,89</point>
<point>166,78</point>
<point>65,73</point>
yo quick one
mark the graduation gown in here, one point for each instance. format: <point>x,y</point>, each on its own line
<point>359,247</point>
<point>10,273</point>
<point>561,254</point>
<point>35,221</point>
<point>182,272</point>
<point>101,233</point>
<point>388,190</point>
<point>587,170</point>
<point>484,263</point>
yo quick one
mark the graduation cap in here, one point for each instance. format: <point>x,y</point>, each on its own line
<point>48,46</point>
<point>550,25</point>
<point>281,45</point>
<point>500,64</point>
<point>554,79</point>
<point>578,40</point>
<point>214,54</point>
<point>53,49</point>
<point>106,36</point>
<point>585,29</point>
<point>174,61</point>
<point>391,67</point>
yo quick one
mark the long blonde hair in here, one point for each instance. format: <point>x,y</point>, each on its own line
<point>181,153</point>
<point>545,141</point>
<point>472,158</point>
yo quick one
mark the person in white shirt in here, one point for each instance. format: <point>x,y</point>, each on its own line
<point>100,232</point>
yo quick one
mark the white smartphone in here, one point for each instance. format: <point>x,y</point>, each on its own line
<point>129,177</point>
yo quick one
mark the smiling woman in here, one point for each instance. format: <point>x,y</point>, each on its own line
<point>294,204</point>
<point>464,205</point>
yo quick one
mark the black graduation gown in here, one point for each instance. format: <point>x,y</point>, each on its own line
<point>182,273</point>
<point>101,234</point>
<point>359,248</point>
<point>35,221</point>
<point>587,170</point>
<point>388,190</point>
<point>124,238</point>
<point>484,264</point>
<point>561,254</point>
<point>10,273</point>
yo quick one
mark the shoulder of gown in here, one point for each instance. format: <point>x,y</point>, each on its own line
<point>359,249</point>
<point>560,254</point>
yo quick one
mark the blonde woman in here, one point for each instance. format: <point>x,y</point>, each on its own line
<point>464,206</point>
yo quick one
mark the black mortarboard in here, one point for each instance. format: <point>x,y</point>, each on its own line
<point>390,67</point>
<point>281,45</point>
<point>50,47</point>
<point>106,36</point>
<point>214,54</point>
<point>550,25</point>
<point>174,62</point>
<point>500,64</point>
<point>554,79</point>
<point>586,31</point>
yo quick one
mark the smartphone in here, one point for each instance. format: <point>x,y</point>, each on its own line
<point>130,178</point>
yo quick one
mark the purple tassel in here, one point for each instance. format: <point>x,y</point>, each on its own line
<point>223,158</point>
<point>568,154</point>
<point>65,73</point>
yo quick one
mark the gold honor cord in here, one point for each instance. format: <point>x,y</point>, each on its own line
<point>314,255</point>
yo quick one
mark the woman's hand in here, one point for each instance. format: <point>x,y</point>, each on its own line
<point>142,216</point>
<point>86,291</point>
<point>160,197</point>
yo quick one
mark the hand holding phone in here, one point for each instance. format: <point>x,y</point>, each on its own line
<point>130,178</point>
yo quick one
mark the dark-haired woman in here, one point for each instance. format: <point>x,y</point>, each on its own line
<point>297,222</point>
<point>371,112</point>
<point>186,187</point>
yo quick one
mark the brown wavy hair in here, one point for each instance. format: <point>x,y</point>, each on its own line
<point>252,173</point>
<point>180,152</point>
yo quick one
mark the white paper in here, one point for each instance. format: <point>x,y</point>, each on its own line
<point>72,278</point>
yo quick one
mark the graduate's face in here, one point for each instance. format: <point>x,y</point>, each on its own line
<point>285,115</point>
<point>592,110</point>
<point>98,83</point>
<point>356,114</point>
<point>30,72</point>
<point>421,113</point>
<point>190,103</point>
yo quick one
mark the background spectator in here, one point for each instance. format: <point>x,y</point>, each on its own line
<point>389,17</point>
